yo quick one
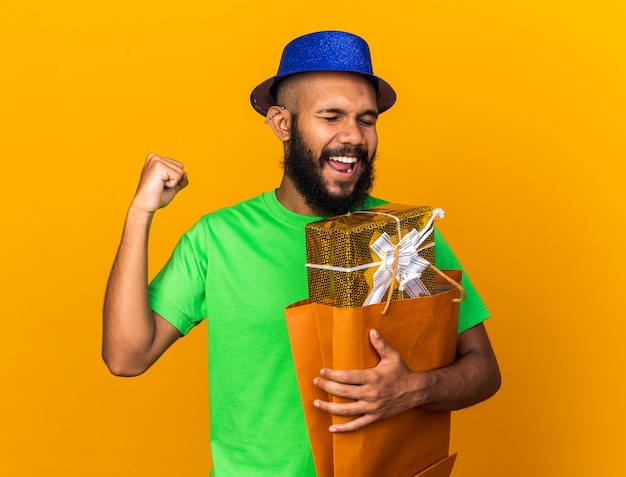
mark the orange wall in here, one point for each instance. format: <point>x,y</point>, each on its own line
<point>510,117</point>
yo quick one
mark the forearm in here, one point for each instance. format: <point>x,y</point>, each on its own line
<point>472,378</point>
<point>128,326</point>
<point>468,381</point>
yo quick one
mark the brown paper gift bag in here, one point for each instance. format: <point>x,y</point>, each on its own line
<point>424,331</point>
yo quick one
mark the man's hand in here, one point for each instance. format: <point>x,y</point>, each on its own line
<point>391,387</point>
<point>161,179</point>
<point>376,393</point>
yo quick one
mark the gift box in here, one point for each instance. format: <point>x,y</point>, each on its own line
<point>357,259</point>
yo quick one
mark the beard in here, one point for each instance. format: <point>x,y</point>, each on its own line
<point>305,171</point>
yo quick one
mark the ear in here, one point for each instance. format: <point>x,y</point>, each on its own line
<point>279,119</point>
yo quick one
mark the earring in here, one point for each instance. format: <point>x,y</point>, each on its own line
<point>273,115</point>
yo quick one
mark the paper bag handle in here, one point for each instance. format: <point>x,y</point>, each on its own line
<point>451,281</point>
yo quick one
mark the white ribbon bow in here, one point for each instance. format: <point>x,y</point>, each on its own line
<point>409,265</point>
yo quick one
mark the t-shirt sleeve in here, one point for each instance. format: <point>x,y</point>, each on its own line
<point>177,293</point>
<point>472,310</point>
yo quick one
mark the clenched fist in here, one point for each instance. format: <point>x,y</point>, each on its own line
<point>161,179</point>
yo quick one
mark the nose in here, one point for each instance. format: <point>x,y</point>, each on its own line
<point>351,134</point>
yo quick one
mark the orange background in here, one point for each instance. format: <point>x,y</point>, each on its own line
<point>510,117</point>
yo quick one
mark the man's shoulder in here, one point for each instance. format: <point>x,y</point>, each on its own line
<point>246,206</point>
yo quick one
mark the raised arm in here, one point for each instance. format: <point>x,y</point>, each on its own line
<point>133,335</point>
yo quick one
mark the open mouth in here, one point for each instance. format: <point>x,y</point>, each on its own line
<point>342,164</point>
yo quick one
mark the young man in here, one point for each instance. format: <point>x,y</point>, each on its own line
<point>240,267</point>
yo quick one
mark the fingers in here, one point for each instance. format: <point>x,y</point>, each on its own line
<point>355,389</point>
<point>171,172</point>
<point>364,411</point>
<point>176,181</point>
<point>353,425</point>
<point>354,377</point>
<point>347,409</point>
<point>161,179</point>
<point>380,345</point>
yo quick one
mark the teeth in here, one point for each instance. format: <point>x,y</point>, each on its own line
<point>344,159</point>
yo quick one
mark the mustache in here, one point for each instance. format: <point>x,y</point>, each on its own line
<point>354,151</point>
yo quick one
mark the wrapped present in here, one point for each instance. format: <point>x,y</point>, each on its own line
<point>359,258</point>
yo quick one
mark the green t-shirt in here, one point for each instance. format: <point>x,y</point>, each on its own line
<point>239,267</point>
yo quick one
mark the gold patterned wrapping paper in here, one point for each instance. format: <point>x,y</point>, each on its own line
<point>345,242</point>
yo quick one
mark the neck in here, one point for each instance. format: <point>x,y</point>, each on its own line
<point>291,199</point>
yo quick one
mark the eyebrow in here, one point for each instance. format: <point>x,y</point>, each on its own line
<point>367,112</point>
